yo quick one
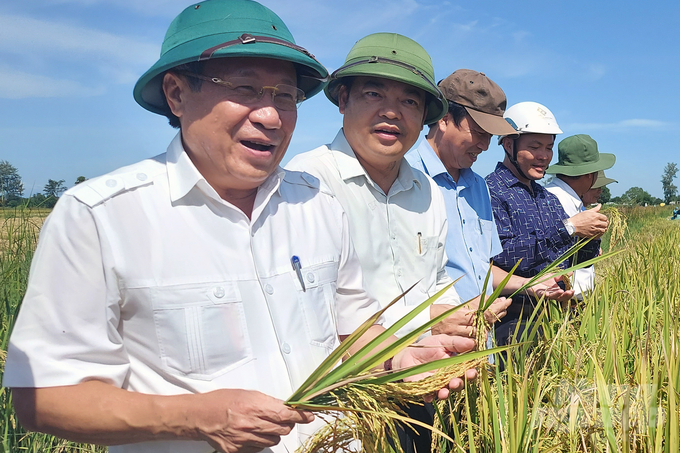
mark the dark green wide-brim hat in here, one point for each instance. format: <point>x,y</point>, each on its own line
<point>578,155</point>
<point>221,29</point>
<point>395,57</point>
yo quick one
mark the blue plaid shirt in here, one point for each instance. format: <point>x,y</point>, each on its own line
<point>529,225</point>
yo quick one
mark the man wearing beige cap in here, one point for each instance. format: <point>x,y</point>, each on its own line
<point>576,172</point>
<point>475,112</point>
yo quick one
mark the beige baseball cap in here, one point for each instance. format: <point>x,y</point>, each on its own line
<point>484,101</point>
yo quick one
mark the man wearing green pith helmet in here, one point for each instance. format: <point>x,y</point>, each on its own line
<point>386,92</point>
<point>173,304</point>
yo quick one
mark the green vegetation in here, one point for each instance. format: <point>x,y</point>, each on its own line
<point>602,378</point>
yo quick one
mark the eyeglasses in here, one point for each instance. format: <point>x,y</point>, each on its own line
<point>244,90</point>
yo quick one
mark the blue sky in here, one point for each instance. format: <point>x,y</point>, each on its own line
<point>608,69</point>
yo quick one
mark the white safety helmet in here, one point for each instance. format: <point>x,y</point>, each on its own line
<point>528,118</point>
<point>531,118</point>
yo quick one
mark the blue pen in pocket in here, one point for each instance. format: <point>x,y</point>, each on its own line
<point>295,261</point>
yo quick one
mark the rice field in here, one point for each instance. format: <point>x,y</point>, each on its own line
<point>603,377</point>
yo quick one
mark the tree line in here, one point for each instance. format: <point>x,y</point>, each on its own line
<point>12,189</point>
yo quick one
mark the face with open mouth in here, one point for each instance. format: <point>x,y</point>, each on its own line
<point>235,146</point>
<point>534,153</point>
<point>382,118</point>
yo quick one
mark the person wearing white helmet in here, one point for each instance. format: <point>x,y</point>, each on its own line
<point>533,228</point>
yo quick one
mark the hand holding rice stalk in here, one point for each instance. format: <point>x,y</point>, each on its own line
<point>358,402</point>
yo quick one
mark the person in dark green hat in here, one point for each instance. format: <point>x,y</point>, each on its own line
<point>593,195</point>
<point>576,171</point>
<point>386,92</point>
<point>174,303</point>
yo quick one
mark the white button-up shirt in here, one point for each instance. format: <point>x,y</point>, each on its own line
<point>399,237</point>
<point>584,279</point>
<point>147,279</point>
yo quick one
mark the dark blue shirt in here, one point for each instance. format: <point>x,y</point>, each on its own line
<point>529,225</point>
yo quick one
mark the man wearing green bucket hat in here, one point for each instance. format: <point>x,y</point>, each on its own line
<point>576,170</point>
<point>595,192</point>
<point>386,93</point>
<point>174,303</point>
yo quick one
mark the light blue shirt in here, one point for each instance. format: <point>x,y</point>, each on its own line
<point>472,239</point>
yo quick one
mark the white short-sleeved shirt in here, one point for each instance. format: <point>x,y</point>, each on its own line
<point>399,237</point>
<point>584,279</point>
<point>147,279</point>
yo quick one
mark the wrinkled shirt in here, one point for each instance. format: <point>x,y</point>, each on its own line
<point>472,239</point>
<point>583,279</point>
<point>399,236</point>
<point>529,222</point>
<point>146,279</point>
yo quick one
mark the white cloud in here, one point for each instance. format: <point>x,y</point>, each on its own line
<point>67,42</point>
<point>18,85</point>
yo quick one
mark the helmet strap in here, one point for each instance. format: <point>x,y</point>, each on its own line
<point>513,160</point>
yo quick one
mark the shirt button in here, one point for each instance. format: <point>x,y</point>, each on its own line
<point>470,248</point>
<point>111,182</point>
<point>310,277</point>
<point>463,221</point>
<point>218,291</point>
<point>269,289</point>
<point>141,176</point>
<point>480,277</point>
<point>285,347</point>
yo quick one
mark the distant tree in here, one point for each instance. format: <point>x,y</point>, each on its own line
<point>11,187</point>
<point>617,200</point>
<point>605,196</point>
<point>80,179</point>
<point>54,188</point>
<point>670,190</point>
<point>637,195</point>
<point>38,200</point>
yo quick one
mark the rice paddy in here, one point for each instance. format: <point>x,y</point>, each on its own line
<point>603,376</point>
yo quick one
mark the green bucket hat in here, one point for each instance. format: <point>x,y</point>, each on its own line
<point>395,57</point>
<point>578,155</point>
<point>221,29</point>
<point>602,180</point>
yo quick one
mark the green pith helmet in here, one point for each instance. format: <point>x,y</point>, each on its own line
<point>226,28</point>
<point>395,57</point>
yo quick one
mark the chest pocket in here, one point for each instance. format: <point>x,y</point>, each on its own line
<point>487,230</point>
<point>317,302</point>
<point>201,329</point>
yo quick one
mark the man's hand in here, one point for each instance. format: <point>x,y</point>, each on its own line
<point>244,421</point>
<point>461,322</point>
<point>432,348</point>
<point>590,223</point>
<point>551,290</point>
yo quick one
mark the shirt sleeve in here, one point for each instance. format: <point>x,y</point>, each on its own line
<point>66,330</point>
<point>531,246</point>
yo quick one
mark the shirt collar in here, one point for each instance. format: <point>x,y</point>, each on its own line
<point>349,166</point>
<point>566,187</point>
<point>433,165</point>
<point>509,179</point>
<point>183,175</point>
